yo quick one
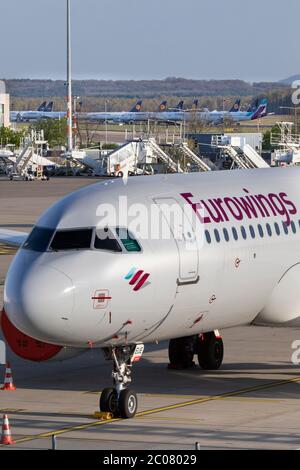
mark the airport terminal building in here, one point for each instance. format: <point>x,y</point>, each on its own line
<point>4,105</point>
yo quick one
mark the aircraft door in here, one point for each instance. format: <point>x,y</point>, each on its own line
<point>184,236</point>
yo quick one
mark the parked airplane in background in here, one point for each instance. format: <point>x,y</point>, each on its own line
<point>40,113</point>
<point>163,106</point>
<point>215,117</point>
<point>228,255</point>
<point>164,114</point>
<point>115,117</point>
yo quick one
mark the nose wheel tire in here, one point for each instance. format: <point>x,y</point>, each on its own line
<point>128,403</point>
<point>109,400</point>
<point>125,407</point>
<point>210,352</point>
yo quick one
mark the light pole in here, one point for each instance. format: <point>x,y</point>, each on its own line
<point>106,101</point>
<point>295,108</point>
<point>69,81</point>
<point>75,119</point>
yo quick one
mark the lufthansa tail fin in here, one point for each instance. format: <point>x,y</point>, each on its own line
<point>163,106</point>
<point>137,107</point>
<point>42,107</point>
<point>179,107</point>
<point>49,107</point>
<point>236,107</point>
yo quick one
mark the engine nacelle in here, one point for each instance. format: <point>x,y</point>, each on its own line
<point>31,349</point>
<point>283,306</point>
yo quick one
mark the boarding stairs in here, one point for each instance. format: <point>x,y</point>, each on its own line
<point>23,159</point>
<point>194,157</point>
<point>254,158</point>
<point>161,155</point>
<point>243,156</point>
<point>6,162</point>
<point>124,159</point>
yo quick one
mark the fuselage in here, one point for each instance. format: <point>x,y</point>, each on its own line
<point>232,260</point>
<point>168,116</point>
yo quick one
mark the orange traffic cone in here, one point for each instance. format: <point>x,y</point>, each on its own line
<point>8,381</point>
<point>6,438</point>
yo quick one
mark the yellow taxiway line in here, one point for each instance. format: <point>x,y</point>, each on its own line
<point>141,414</point>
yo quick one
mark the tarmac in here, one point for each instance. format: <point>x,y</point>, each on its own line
<point>252,402</point>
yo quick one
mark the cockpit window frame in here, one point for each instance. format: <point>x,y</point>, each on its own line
<point>113,231</point>
<point>69,229</point>
<point>93,239</point>
<point>122,246</point>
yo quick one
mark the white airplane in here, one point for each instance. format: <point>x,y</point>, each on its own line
<point>233,259</point>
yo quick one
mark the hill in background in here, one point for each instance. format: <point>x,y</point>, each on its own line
<point>171,86</point>
<point>288,81</point>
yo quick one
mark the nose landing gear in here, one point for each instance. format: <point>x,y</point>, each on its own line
<point>121,400</point>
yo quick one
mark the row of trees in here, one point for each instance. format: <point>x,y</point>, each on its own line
<point>144,88</point>
<point>276,98</point>
<point>8,136</point>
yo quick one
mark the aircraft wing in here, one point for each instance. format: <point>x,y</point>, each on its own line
<point>11,237</point>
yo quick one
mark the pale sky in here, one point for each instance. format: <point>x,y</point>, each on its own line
<point>137,39</point>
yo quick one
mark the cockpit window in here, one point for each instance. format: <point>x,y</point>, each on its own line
<point>127,239</point>
<point>75,239</point>
<point>39,239</point>
<point>105,240</point>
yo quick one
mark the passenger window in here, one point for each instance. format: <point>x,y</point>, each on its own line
<point>39,239</point>
<point>277,228</point>
<point>260,230</point>
<point>252,231</point>
<point>243,232</point>
<point>226,235</point>
<point>75,239</point>
<point>127,239</point>
<point>269,230</point>
<point>217,236</point>
<point>293,227</point>
<point>207,236</point>
<point>285,228</point>
<point>105,240</point>
<point>234,233</point>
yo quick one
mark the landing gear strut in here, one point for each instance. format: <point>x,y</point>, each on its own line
<point>121,400</point>
<point>207,346</point>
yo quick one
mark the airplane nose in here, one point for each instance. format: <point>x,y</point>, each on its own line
<point>38,300</point>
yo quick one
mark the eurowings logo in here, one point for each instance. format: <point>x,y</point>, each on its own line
<point>137,278</point>
<point>138,107</point>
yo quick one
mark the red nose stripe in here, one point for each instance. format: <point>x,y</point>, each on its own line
<point>141,281</point>
<point>25,346</point>
<point>136,277</point>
